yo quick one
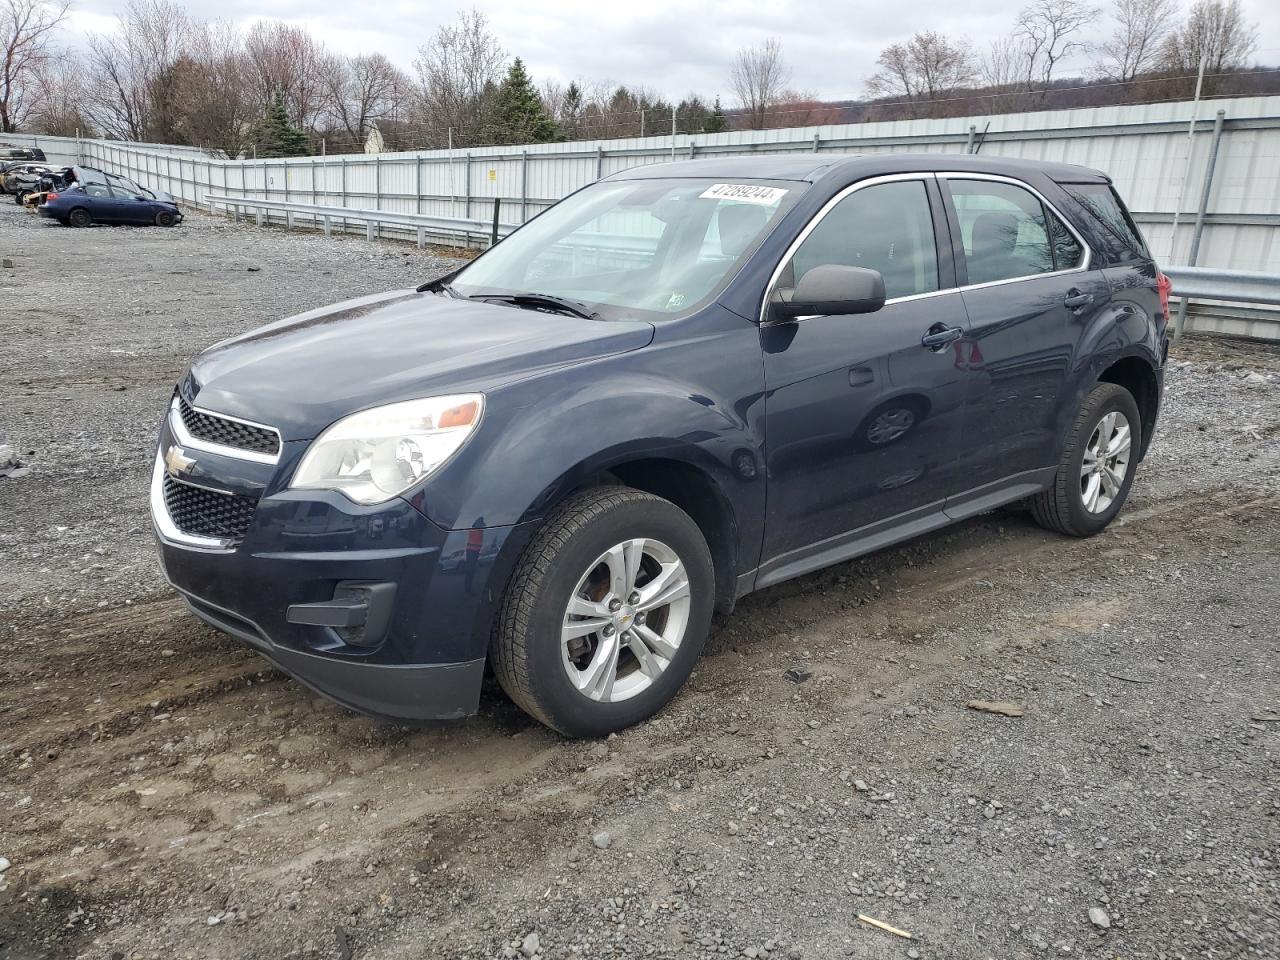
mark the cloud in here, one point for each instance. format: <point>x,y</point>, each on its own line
<point>671,47</point>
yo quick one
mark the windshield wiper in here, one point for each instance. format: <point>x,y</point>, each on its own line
<point>440,286</point>
<point>535,300</point>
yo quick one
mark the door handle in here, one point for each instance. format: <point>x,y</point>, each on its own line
<point>860,376</point>
<point>1075,299</point>
<point>940,337</point>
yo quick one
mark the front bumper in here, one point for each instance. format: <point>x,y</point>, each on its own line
<point>304,549</point>
<point>438,691</point>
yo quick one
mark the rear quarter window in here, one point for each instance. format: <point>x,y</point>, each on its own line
<point>1120,236</point>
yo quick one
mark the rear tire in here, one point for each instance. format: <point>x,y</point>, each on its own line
<point>543,651</point>
<point>1085,497</point>
<point>20,197</point>
<point>79,217</point>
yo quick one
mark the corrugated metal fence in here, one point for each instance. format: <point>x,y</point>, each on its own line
<point>1143,147</point>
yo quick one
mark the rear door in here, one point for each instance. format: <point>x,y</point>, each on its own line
<point>1031,293</point>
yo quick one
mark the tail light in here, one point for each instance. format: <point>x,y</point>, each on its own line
<point>1164,286</point>
<point>50,196</point>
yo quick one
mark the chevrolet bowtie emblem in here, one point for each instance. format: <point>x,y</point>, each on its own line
<point>176,460</point>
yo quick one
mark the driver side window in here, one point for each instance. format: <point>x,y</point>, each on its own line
<point>885,227</point>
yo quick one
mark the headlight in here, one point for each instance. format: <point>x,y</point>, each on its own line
<point>374,455</point>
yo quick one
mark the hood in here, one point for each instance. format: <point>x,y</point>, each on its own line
<point>302,374</point>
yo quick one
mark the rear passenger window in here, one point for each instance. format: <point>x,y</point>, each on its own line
<point>1003,229</point>
<point>1104,203</point>
<point>1067,252</point>
<point>886,227</point>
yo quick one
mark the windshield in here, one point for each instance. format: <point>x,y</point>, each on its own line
<point>634,246</point>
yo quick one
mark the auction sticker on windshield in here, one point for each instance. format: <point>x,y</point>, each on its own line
<point>744,193</point>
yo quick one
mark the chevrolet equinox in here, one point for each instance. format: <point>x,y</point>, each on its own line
<point>680,384</point>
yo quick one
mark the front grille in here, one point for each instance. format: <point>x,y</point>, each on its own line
<point>206,513</point>
<point>229,433</point>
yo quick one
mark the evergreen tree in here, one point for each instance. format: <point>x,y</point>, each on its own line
<point>275,136</point>
<point>571,111</point>
<point>716,123</point>
<point>519,114</point>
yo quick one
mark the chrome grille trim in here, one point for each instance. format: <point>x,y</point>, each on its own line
<point>177,424</point>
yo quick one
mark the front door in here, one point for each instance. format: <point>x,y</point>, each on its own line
<point>863,416</point>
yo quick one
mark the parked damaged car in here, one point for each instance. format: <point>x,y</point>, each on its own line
<point>22,178</point>
<point>679,385</point>
<point>94,196</point>
<point>9,152</point>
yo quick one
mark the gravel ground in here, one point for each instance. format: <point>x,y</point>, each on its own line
<point>163,795</point>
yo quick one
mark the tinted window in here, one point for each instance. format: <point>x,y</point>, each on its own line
<point>1002,229</point>
<point>1103,202</point>
<point>886,227</point>
<point>1067,252</point>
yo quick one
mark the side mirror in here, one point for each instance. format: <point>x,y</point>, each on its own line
<point>833,290</point>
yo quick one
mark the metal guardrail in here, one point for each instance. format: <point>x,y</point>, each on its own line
<point>324,217</point>
<point>1236,286</point>
<point>1227,289</point>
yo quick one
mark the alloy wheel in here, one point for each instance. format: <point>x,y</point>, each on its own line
<point>891,425</point>
<point>625,620</point>
<point>1106,462</point>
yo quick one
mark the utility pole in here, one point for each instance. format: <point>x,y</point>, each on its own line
<point>673,133</point>
<point>642,121</point>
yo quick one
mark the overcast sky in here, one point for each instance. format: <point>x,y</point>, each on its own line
<point>669,46</point>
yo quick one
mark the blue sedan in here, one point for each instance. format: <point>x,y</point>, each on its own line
<point>83,204</point>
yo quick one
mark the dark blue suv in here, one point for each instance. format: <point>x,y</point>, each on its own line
<point>678,385</point>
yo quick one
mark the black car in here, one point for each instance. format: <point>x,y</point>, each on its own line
<point>10,152</point>
<point>680,384</point>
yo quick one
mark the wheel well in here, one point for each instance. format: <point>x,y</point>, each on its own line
<point>698,495</point>
<point>1136,376</point>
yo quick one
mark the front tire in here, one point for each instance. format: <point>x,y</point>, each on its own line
<point>606,614</point>
<point>165,219</point>
<point>1097,466</point>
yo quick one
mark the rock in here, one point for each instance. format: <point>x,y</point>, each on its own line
<point>733,829</point>
<point>4,864</point>
<point>7,457</point>
<point>913,953</point>
<point>15,473</point>
<point>530,945</point>
<point>603,840</point>
<point>1256,379</point>
<point>861,786</point>
<point>798,674</point>
<point>6,264</point>
<point>1100,918</point>
<point>254,269</point>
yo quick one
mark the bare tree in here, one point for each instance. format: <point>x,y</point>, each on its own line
<point>1134,48</point>
<point>1049,31</point>
<point>758,76</point>
<point>128,70</point>
<point>26,45</point>
<point>59,107</point>
<point>211,98</point>
<point>1215,30</point>
<point>286,63</point>
<point>362,90</point>
<point>927,65</point>
<point>459,69</point>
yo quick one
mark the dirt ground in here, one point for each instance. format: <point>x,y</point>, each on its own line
<point>164,794</point>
